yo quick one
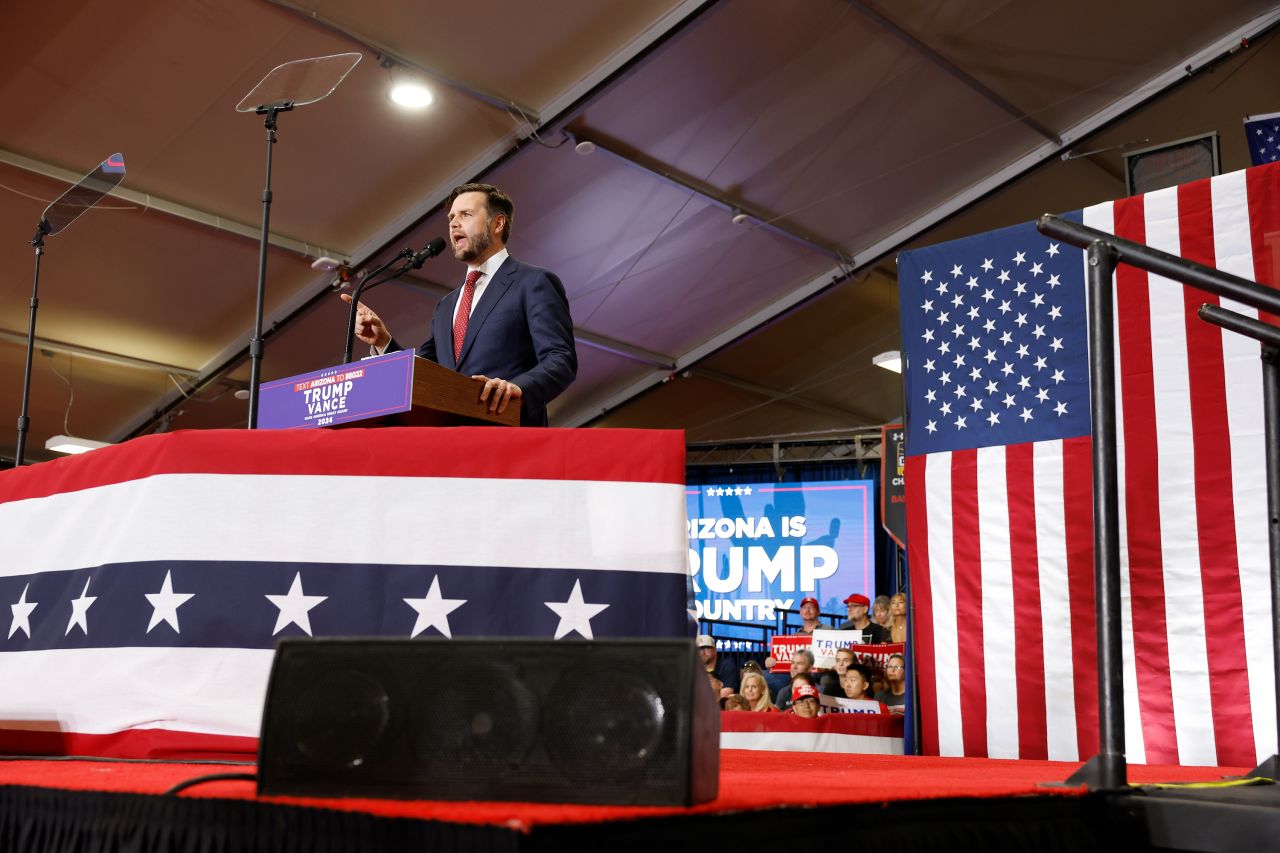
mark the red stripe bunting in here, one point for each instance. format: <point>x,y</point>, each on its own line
<point>1027,625</point>
<point>922,604</point>
<point>967,547</point>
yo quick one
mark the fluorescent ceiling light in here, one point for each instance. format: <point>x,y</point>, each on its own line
<point>71,444</point>
<point>411,94</point>
<point>891,360</point>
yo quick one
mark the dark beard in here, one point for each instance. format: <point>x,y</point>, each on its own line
<point>475,247</point>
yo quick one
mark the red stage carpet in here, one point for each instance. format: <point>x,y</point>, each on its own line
<point>749,780</point>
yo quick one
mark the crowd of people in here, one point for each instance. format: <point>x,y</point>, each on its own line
<point>878,622</point>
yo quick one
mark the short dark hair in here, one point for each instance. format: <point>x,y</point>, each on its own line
<point>495,199</point>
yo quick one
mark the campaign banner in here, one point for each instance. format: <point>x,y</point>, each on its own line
<point>893,489</point>
<point>842,705</point>
<point>382,385</point>
<point>758,548</point>
<point>782,646</point>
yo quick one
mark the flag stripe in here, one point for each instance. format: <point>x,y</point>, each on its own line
<point>1236,244</point>
<point>1057,701</point>
<point>1029,664</point>
<point>624,455</point>
<point>966,544</point>
<point>1142,483</point>
<point>942,582</point>
<point>1211,470</point>
<point>996,570</point>
<point>602,525</point>
<point>1175,457</point>
<point>1077,501</point>
<point>921,602</point>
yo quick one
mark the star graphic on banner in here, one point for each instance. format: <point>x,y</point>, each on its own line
<point>433,611</point>
<point>575,614</point>
<point>80,610</point>
<point>295,607</point>
<point>22,614</point>
<point>165,604</point>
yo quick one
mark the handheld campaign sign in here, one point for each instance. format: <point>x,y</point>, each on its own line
<point>377,386</point>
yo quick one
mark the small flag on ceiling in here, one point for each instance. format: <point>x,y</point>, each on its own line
<point>1263,133</point>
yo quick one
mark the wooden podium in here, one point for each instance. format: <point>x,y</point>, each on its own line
<point>396,389</point>
<point>444,397</point>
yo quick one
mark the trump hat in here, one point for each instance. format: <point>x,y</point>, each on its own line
<point>858,598</point>
<point>809,599</point>
<point>803,690</point>
<point>705,641</point>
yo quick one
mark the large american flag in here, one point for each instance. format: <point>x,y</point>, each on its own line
<point>143,587</point>
<point>998,479</point>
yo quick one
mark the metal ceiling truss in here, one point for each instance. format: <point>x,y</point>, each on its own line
<point>863,447</point>
<point>868,256</point>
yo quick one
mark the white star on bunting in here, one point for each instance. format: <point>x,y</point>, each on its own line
<point>295,607</point>
<point>80,610</point>
<point>22,614</point>
<point>165,604</point>
<point>433,611</point>
<point>575,614</point>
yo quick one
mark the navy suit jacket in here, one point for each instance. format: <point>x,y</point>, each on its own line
<point>520,331</point>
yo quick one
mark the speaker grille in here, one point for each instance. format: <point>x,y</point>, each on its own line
<point>590,722</point>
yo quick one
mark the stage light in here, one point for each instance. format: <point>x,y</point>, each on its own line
<point>891,360</point>
<point>411,94</point>
<point>71,444</point>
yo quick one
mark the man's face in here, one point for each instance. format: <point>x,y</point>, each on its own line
<point>808,611</point>
<point>800,665</point>
<point>843,659</point>
<point>471,228</point>
<point>856,612</point>
<point>806,707</point>
<point>707,654</point>
<point>855,686</point>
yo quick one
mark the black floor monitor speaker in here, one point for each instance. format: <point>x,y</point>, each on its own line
<point>608,721</point>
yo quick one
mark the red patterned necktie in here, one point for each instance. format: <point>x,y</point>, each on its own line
<point>464,313</point>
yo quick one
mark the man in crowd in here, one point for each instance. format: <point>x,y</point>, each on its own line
<point>804,700</point>
<point>830,680</point>
<point>801,668</point>
<point>808,615</point>
<point>508,326</point>
<point>856,608</point>
<point>721,669</point>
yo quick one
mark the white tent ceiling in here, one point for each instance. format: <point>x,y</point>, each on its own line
<point>844,130</point>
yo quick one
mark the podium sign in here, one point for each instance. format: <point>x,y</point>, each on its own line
<point>374,387</point>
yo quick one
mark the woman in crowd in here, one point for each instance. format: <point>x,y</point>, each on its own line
<point>898,612</point>
<point>894,694</point>
<point>756,692</point>
<point>880,613</point>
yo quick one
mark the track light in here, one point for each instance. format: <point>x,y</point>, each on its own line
<point>71,444</point>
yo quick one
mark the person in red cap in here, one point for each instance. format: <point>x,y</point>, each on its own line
<point>808,615</point>
<point>856,608</point>
<point>804,700</point>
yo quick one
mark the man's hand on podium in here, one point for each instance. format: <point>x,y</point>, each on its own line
<point>498,393</point>
<point>369,326</point>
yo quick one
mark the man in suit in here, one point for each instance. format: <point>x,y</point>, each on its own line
<point>508,326</point>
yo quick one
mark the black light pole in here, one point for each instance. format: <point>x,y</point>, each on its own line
<point>256,342</point>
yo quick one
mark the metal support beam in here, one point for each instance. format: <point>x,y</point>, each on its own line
<point>146,201</point>
<point>871,254</point>
<point>760,218</point>
<point>103,356</point>
<point>893,28</point>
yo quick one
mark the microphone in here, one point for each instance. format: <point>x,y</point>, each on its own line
<point>428,252</point>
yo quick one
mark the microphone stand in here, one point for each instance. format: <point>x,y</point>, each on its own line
<point>24,421</point>
<point>360,288</point>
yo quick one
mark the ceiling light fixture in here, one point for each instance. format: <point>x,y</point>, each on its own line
<point>411,94</point>
<point>71,444</point>
<point>739,218</point>
<point>891,360</point>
